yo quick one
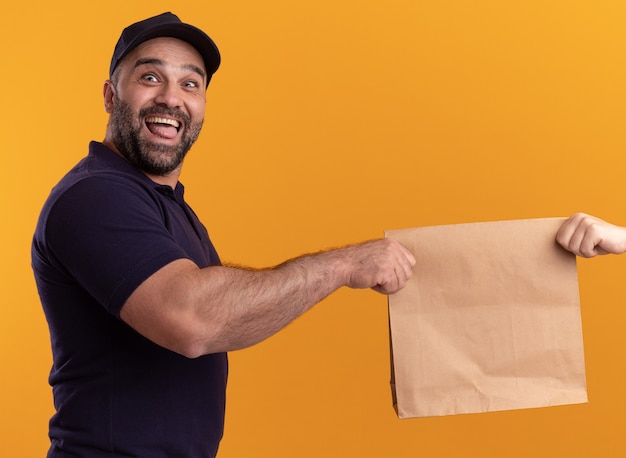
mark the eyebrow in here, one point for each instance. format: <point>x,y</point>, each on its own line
<point>159,62</point>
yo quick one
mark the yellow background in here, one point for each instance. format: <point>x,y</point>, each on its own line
<point>328,122</point>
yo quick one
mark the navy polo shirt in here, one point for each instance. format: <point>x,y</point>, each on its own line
<point>105,228</point>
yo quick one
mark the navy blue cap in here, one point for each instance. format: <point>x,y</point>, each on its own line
<point>166,25</point>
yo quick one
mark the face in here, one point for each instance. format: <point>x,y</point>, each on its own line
<point>156,104</point>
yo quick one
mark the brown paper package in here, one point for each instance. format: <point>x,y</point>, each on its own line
<point>489,321</point>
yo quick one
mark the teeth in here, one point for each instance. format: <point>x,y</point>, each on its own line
<point>171,122</point>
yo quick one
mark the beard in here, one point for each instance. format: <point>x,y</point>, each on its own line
<point>153,158</point>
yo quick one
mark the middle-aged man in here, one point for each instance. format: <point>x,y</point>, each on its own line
<point>140,310</point>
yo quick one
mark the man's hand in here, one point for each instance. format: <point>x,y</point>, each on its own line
<point>588,236</point>
<point>383,265</point>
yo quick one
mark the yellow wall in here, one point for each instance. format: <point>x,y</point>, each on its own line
<point>330,121</point>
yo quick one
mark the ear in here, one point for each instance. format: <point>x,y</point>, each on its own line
<point>108,92</point>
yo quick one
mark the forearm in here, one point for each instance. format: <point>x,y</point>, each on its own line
<point>242,307</point>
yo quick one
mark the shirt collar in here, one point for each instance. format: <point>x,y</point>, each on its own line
<point>117,162</point>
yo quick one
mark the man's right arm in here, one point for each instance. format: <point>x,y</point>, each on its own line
<point>195,311</point>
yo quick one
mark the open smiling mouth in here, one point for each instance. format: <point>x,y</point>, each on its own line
<point>163,127</point>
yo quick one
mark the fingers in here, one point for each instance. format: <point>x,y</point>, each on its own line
<point>383,265</point>
<point>398,271</point>
<point>588,236</point>
<point>577,235</point>
<point>406,261</point>
<point>571,234</point>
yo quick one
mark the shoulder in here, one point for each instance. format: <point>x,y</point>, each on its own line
<point>101,179</point>
<point>96,197</point>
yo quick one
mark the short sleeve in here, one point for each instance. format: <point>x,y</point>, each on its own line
<point>109,234</point>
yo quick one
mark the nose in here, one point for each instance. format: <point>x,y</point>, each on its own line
<point>169,95</point>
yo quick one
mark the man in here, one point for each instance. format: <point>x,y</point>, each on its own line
<point>141,312</point>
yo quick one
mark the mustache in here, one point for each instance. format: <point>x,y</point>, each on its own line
<point>161,110</point>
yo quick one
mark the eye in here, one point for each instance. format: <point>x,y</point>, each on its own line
<point>191,84</point>
<point>150,77</point>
